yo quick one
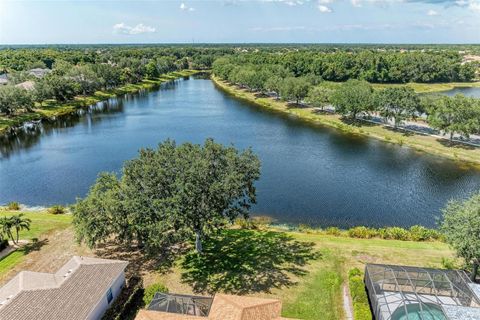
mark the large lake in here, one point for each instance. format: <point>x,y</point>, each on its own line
<point>310,175</point>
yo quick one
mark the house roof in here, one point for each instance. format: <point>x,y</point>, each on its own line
<point>70,293</point>
<point>27,85</point>
<point>226,307</point>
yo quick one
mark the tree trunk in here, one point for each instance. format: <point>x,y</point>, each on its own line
<point>198,241</point>
<point>451,136</point>
<point>473,276</point>
<point>16,229</point>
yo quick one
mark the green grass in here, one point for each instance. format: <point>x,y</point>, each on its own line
<point>42,223</point>
<point>53,108</point>
<point>465,156</point>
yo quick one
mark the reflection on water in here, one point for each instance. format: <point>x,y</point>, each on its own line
<point>312,175</point>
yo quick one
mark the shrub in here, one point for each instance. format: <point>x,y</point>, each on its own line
<point>151,290</point>
<point>57,209</point>
<point>333,231</point>
<point>396,233</point>
<point>362,232</point>
<point>14,206</point>
<point>450,264</point>
<point>361,307</point>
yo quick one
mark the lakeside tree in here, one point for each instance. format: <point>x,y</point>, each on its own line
<point>457,114</point>
<point>13,99</point>
<point>353,97</point>
<point>319,97</point>
<point>294,89</point>
<point>169,195</point>
<point>461,227</point>
<point>17,223</point>
<point>398,104</point>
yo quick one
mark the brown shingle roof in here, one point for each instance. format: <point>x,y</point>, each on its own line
<point>72,298</point>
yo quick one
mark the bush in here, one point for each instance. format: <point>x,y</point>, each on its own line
<point>333,231</point>
<point>362,232</point>
<point>127,304</point>
<point>361,307</point>
<point>151,290</point>
<point>395,233</point>
<point>14,206</point>
<point>57,209</point>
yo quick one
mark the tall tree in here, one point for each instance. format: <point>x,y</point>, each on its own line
<point>294,89</point>
<point>319,97</point>
<point>398,104</point>
<point>168,194</point>
<point>461,226</point>
<point>353,97</point>
<point>19,222</point>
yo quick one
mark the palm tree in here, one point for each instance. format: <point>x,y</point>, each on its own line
<point>6,227</point>
<point>19,223</point>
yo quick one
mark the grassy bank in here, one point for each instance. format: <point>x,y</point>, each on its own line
<point>418,87</point>
<point>52,108</point>
<point>419,142</point>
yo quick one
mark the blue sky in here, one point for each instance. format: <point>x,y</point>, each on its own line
<point>167,21</point>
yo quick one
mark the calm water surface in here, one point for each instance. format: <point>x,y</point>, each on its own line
<point>309,175</point>
<point>469,92</point>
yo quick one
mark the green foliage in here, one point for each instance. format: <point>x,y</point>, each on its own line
<point>361,307</point>
<point>461,227</point>
<point>14,99</point>
<point>168,194</point>
<point>13,206</point>
<point>319,97</point>
<point>12,225</point>
<point>333,231</point>
<point>353,97</point>
<point>398,104</point>
<point>362,232</point>
<point>57,209</point>
<point>151,290</point>
<point>294,88</point>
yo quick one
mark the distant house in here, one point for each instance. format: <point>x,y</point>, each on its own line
<point>3,79</point>
<point>82,289</point>
<point>400,292</point>
<point>27,85</point>
<point>39,72</point>
<point>221,307</point>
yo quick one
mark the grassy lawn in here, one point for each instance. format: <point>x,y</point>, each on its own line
<point>42,224</point>
<point>52,108</point>
<point>273,265</point>
<point>422,143</point>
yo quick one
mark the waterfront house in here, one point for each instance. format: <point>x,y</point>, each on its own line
<point>82,289</point>
<point>400,292</point>
<point>166,306</point>
<point>27,85</point>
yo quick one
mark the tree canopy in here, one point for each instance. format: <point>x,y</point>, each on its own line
<point>461,227</point>
<point>168,195</point>
<point>353,97</point>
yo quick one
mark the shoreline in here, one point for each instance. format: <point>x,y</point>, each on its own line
<point>461,154</point>
<point>54,109</point>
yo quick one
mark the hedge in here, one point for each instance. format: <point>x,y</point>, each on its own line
<point>361,307</point>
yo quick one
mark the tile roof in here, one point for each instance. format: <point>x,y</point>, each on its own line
<point>70,293</point>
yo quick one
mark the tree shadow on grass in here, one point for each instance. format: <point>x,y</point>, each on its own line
<point>245,261</point>
<point>456,144</point>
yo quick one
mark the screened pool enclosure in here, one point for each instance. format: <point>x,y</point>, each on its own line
<point>412,293</point>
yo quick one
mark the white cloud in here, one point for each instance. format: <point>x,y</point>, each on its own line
<point>325,1</point>
<point>432,13</point>
<point>122,28</point>
<point>324,9</point>
<point>287,2</point>
<point>184,7</point>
